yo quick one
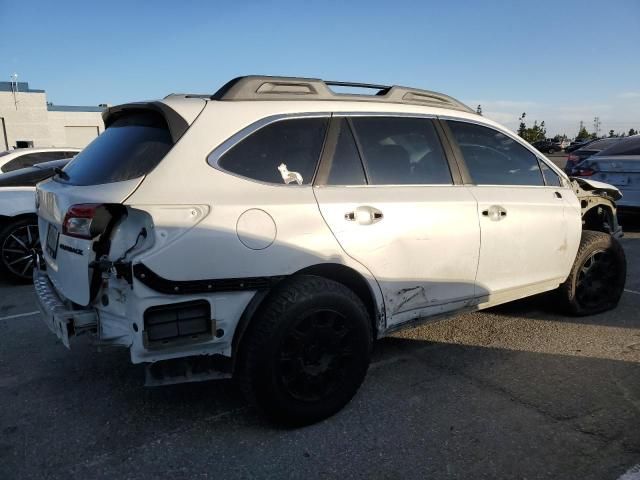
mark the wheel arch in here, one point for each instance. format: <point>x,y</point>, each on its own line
<point>342,274</point>
<point>7,219</point>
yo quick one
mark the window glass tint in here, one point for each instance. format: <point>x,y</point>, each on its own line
<point>493,158</point>
<point>551,178</point>
<point>401,151</point>
<point>627,146</point>
<point>129,148</point>
<point>267,155</point>
<point>346,166</point>
<point>22,161</point>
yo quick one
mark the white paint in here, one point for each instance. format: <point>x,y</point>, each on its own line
<point>631,291</point>
<point>256,229</point>
<point>19,315</point>
<point>632,474</point>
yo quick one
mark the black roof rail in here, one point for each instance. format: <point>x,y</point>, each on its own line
<point>256,87</point>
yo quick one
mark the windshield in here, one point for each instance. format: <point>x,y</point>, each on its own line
<point>129,148</point>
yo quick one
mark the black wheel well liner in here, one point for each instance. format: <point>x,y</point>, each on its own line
<point>6,219</point>
<point>595,217</point>
<point>333,271</point>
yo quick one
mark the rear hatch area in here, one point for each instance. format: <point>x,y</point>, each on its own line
<point>80,206</point>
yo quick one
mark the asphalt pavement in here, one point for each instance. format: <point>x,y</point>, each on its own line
<point>517,391</point>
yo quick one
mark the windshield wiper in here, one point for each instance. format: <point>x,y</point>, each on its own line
<point>61,173</point>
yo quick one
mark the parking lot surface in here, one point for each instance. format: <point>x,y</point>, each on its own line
<point>517,391</point>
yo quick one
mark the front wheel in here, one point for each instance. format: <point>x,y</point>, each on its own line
<point>306,353</point>
<point>17,242</point>
<point>597,278</point>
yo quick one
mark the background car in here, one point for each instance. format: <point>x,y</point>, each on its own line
<point>11,160</point>
<point>548,146</point>
<point>586,151</point>
<point>18,221</point>
<point>576,144</point>
<point>618,165</point>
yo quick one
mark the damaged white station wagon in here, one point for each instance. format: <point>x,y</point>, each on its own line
<point>273,230</point>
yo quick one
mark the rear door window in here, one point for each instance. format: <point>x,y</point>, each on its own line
<point>345,164</point>
<point>285,152</point>
<point>129,148</point>
<point>493,158</point>
<point>401,151</point>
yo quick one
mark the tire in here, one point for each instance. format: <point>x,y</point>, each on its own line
<point>17,240</point>
<point>551,150</point>
<point>597,278</point>
<point>306,352</point>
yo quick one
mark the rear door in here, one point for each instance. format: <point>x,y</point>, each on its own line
<point>529,232</point>
<point>105,173</point>
<point>386,190</point>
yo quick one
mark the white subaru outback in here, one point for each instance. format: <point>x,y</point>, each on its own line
<point>273,230</point>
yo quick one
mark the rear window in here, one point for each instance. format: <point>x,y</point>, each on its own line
<point>629,146</point>
<point>129,148</point>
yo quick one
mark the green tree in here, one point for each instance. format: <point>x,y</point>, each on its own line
<point>522,128</point>
<point>582,134</point>
<point>612,134</point>
<point>632,132</point>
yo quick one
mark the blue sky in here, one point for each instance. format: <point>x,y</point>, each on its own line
<point>560,61</point>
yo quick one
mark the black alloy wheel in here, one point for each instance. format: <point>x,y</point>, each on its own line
<point>17,242</point>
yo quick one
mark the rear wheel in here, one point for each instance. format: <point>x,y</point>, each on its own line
<point>17,242</point>
<point>597,278</point>
<point>307,352</point>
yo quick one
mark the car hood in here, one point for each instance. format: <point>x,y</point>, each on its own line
<point>587,184</point>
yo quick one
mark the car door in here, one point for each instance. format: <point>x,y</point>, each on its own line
<point>528,234</point>
<point>385,188</point>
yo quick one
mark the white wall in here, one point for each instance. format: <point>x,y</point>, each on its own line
<point>32,121</point>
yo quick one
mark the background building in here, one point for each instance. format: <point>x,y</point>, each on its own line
<point>27,120</point>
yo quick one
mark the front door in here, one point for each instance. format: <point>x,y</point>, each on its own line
<point>385,189</point>
<point>524,226</point>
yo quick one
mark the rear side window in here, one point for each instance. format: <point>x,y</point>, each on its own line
<point>493,158</point>
<point>130,147</point>
<point>402,151</point>
<point>284,152</point>
<point>22,161</point>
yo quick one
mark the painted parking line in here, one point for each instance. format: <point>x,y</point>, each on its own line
<point>631,291</point>
<point>632,474</point>
<point>20,315</point>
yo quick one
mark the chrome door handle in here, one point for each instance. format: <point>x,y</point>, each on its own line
<point>495,213</point>
<point>364,215</point>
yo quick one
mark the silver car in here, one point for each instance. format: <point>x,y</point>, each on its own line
<point>617,165</point>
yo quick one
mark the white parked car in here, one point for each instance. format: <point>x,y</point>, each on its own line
<point>273,230</point>
<point>11,160</point>
<point>18,221</point>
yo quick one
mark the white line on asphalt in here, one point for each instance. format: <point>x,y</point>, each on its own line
<point>19,315</point>
<point>632,474</point>
<point>631,291</point>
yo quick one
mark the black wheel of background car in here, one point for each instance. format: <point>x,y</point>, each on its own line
<point>598,275</point>
<point>551,150</point>
<point>307,351</point>
<point>17,241</point>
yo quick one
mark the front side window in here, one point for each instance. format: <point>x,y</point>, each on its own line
<point>284,152</point>
<point>493,158</point>
<point>551,178</point>
<point>402,151</point>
